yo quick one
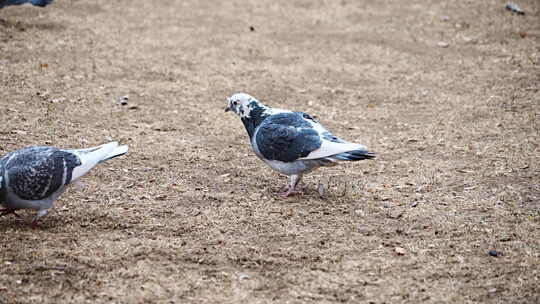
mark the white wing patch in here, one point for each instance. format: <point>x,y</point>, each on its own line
<point>329,148</point>
<point>273,111</point>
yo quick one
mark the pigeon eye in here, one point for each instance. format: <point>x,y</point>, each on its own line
<point>235,103</point>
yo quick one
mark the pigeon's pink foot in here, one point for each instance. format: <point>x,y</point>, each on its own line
<point>34,224</point>
<point>290,192</point>
<point>8,211</point>
<point>293,188</point>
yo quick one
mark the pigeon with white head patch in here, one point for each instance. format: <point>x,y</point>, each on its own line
<point>34,177</point>
<point>292,143</point>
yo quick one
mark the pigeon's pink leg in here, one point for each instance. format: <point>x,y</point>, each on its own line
<point>293,188</point>
<point>34,224</point>
<point>8,211</point>
<point>40,214</point>
<point>285,188</point>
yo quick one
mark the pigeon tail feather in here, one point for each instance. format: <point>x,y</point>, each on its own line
<point>92,156</point>
<point>118,151</point>
<point>354,155</point>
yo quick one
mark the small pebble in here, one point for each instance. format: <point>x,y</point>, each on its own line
<point>442,44</point>
<point>395,214</point>
<point>365,230</point>
<point>470,39</point>
<point>495,253</point>
<point>399,251</point>
<point>320,189</point>
<point>123,100</point>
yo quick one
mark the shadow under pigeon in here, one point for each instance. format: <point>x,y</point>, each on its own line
<point>24,224</point>
<point>52,221</point>
<point>22,26</point>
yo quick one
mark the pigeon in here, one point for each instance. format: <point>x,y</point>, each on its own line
<point>34,177</point>
<point>41,3</point>
<point>292,143</point>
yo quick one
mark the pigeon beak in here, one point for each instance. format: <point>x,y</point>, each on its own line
<point>228,108</point>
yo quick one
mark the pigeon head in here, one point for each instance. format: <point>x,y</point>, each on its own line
<point>243,105</point>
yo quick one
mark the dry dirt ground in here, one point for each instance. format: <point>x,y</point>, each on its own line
<point>445,92</point>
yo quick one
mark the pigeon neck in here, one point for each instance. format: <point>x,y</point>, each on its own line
<point>256,116</point>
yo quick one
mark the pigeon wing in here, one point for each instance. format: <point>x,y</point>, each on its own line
<point>36,173</point>
<point>286,137</point>
<point>330,144</point>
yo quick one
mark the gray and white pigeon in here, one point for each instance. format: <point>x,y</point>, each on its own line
<point>292,143</point>
<point>34,177</point>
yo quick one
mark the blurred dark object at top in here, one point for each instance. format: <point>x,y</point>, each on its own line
<point>514,8</point>
<point>41,3</point>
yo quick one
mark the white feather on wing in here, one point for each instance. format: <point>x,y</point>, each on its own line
<point>329,148</point>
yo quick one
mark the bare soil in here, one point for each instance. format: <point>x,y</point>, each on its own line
<point>445,92</point>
